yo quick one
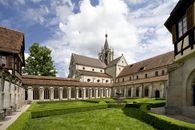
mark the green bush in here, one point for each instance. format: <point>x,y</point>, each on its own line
<point>37,114</point>
<point>160,122</point>
<point>91,101</point>
<point>116,105</point>
<point>57,101</point>
<point>21,122</point>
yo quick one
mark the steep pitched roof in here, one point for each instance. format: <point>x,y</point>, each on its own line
<point>88,61</point>
<point>11,40</point>
<point>114,62</point>
<point>89,73</point>
<point>148,64</point>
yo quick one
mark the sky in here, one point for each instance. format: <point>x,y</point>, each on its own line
<point>135,28</point>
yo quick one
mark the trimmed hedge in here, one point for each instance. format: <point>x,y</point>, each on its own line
<point>38,114</point>
<point>116,105</point>
<point>160,122</point>
<point>21,122</point>
<point>57,101</point>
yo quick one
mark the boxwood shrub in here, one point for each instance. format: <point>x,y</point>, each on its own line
<point>116,105</point>
<point>38,114</point>
<point>160,122</point>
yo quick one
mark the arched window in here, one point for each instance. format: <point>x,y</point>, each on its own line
<point>65,92</point>
<point>35,94</point>
<point>56,93</point>
<point>129,92</point>
<point>157,94</point>
<point>73,92</point>
<point>93,92</point>
<point>80,93</point>
<point>137,92</point>
<point>46,93</point>
<point>146,92</point>
<point>87,92</point>
<point>99,92</point>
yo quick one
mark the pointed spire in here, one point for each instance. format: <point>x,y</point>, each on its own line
<point>106,42</point>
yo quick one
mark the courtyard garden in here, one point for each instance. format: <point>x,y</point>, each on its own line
<point>97,114</point>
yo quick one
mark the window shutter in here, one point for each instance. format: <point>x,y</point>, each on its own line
<point>190,17</point>
<point>174,33</point>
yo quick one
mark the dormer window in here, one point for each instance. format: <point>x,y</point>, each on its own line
<point>182,26</point>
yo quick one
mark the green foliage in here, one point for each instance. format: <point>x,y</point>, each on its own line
<point>116,105</point>
<point>21,122</point>
<point>160,122</point>
<point>101,119</point>
<point>40,61</point>
<point>38,114</point>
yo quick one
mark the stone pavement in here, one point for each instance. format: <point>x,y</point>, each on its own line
<point>10,119</point>
<point>161,110</point>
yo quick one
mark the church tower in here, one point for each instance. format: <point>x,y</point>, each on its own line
<point>106,55</point>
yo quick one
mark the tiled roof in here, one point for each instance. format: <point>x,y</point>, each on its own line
<point>11,40</point>
<point>88,61</point>
<point>89,73</point>
<point>114,62</point>
<point>29,80</point>
<point>148,64</point>
<point>145,80</point>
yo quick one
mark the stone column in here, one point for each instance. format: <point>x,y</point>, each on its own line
<point>150,91</point>
<point>90,92</point>
<point>96,93</point>
<point>125,92</point>
<point>115,92</point>
<point>101,92</point>
<point>41,93</point>
<point>132,92</point>
<point>69,93</point>
<point>84,93</point>
<point>51,93</point>
<point>140,91</point>
<point>162,95</point>
<point>30,93</point>
<point>60,93</point>
<point>106,92</point>
<point>109,92</point>
<point>77,93</point>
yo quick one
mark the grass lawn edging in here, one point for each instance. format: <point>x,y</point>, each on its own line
<point>21,122</point>
<point>38,114</point>
<point>161,122</point>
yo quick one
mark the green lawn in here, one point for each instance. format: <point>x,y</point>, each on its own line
<point>105,119</point>
<point>60,105</point>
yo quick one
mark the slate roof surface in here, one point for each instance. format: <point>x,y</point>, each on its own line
<point>11,40</point>
<point>88,61</point>
<point>114,62</point>
<point>148,64</point>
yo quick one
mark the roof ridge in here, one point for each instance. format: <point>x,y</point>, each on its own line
<point>150,58</point>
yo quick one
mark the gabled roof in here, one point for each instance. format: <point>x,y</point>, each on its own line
<point>148,64</point>
<point>11,40</point>
<point>96,74</point>
<point>88,61</point>
<point>114,62</point>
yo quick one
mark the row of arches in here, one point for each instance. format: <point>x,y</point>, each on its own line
<point>146,92</point>
<point>47,93</point>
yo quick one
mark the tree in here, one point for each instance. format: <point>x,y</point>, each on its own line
<point>40,61</point>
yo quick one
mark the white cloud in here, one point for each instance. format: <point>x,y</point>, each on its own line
<point>137,33</point>
<point>26,55</point>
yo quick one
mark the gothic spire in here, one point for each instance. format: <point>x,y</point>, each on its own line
<point>106,43</point>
